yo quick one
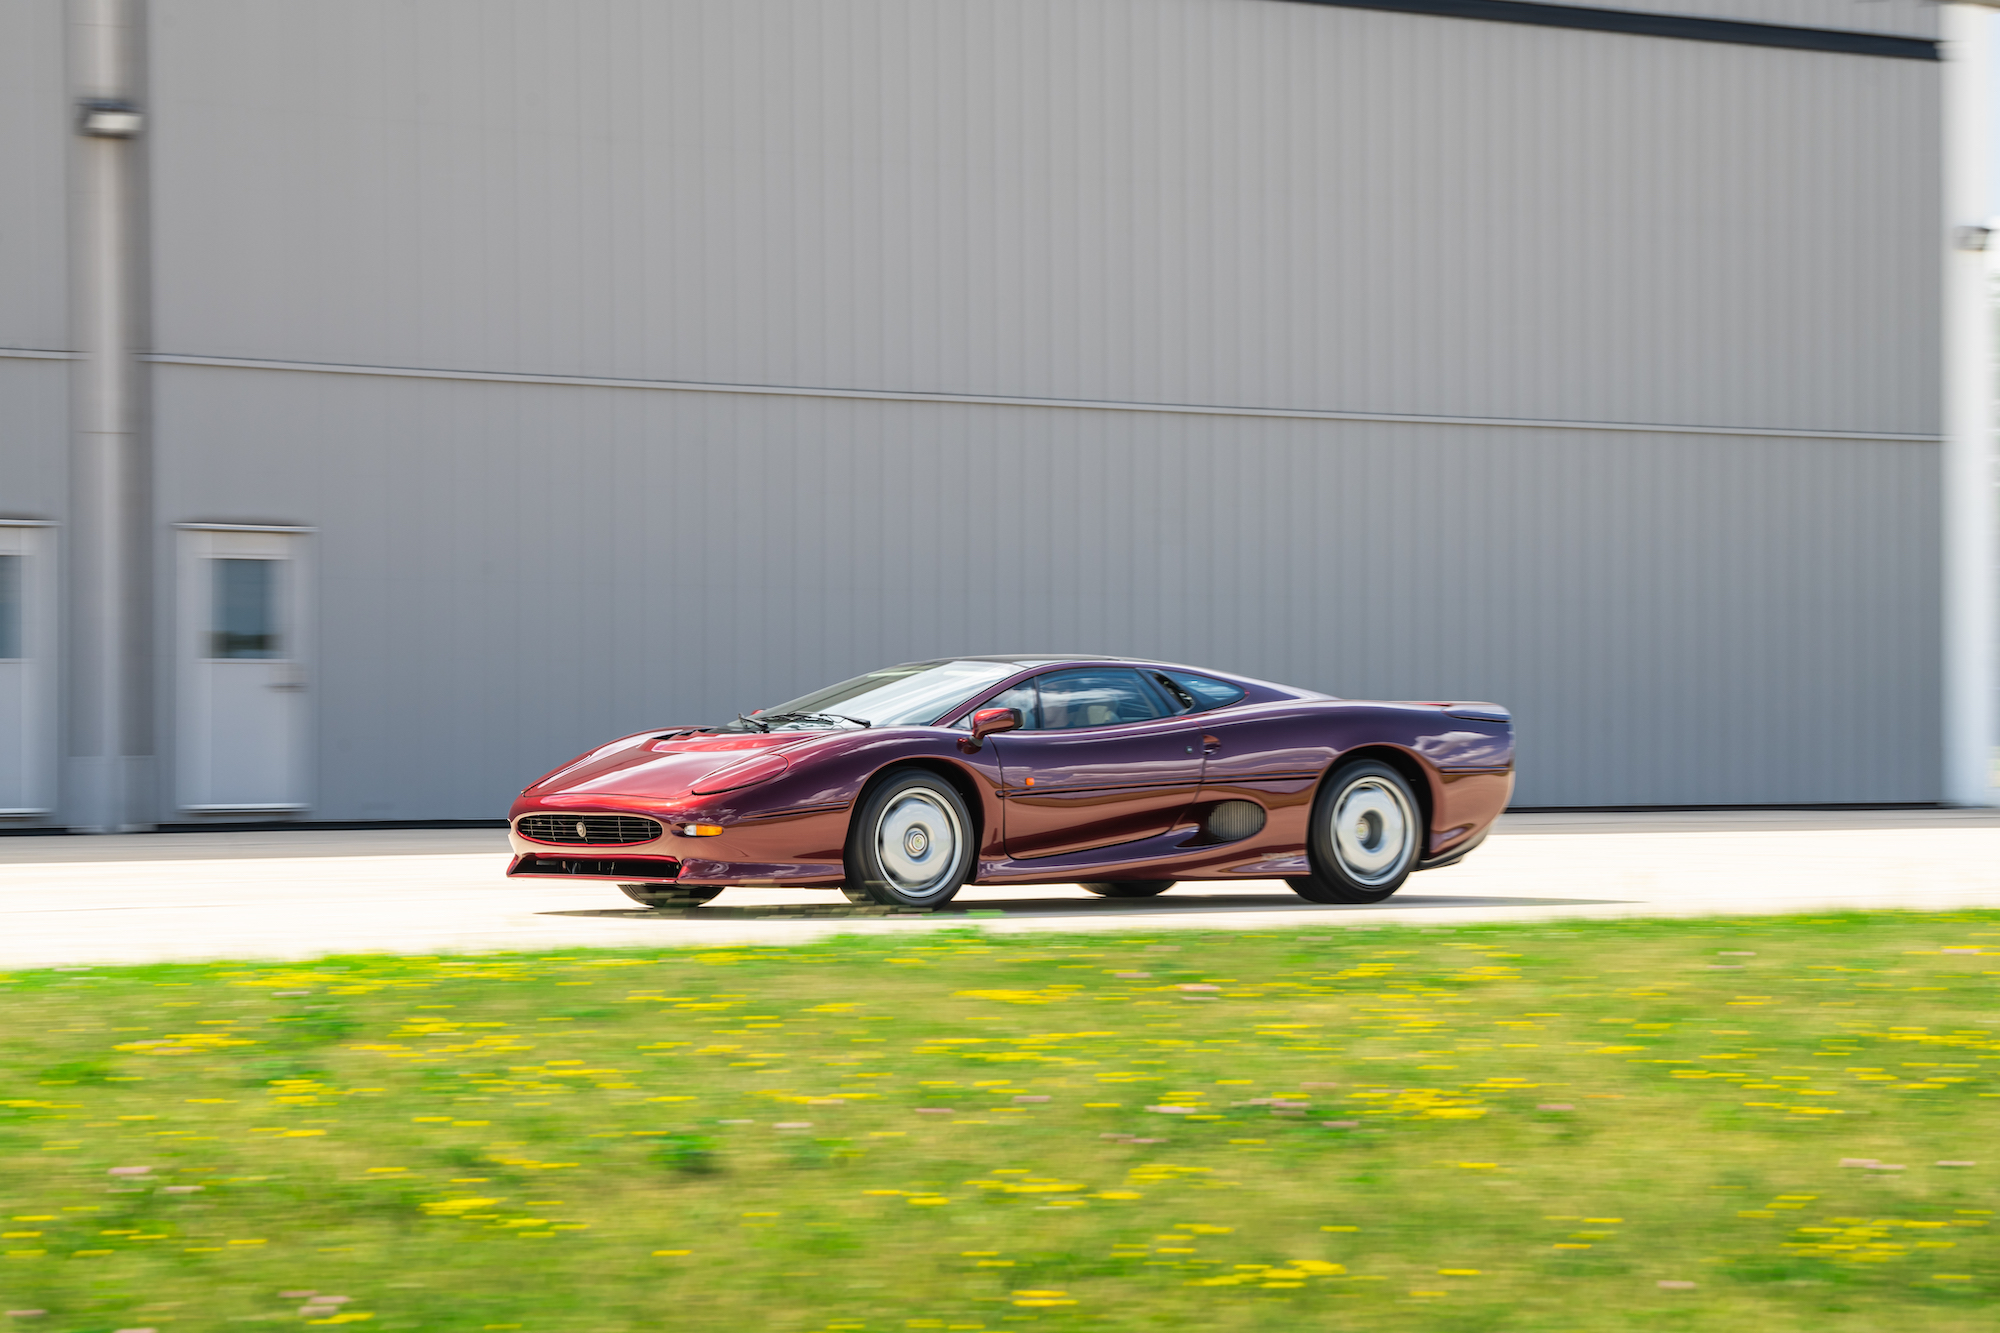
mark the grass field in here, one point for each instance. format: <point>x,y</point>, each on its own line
<point>1740,1124</point>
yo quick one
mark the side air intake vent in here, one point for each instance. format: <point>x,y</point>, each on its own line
<point>1233,821</point>
<point>589,830</point>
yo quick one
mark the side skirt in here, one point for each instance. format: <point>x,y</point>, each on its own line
<point>1167,856</point>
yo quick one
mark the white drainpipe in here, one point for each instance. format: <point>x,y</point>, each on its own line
<point>107,737</point>
<point>1968,546</point>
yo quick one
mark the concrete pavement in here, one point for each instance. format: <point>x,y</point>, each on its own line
<point>156,897</point>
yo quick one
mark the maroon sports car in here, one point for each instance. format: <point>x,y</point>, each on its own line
<point>901,786</point>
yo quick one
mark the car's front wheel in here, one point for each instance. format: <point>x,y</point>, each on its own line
<point>1365,838</point>
<point>910,842</point>
<point>669,895</point>
<point>1127,888</point>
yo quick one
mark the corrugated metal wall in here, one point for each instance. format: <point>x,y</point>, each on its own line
<point>1229,202</point>
<point>34,142</point>
<point>1209,201</point>
<point>34,265</point>
<point>510,571</point>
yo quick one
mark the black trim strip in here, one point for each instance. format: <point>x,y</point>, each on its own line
<point>1657,25</point>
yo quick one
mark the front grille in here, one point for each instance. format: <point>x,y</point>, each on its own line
<point>588,830</point>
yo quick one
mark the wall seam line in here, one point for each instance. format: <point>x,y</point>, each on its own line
<point>1005,400</point>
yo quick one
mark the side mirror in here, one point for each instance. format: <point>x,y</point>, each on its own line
<point>988,721</point>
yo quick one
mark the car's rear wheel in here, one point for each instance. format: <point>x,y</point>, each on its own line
<point>910,842</point>
<point>669,895</point>
<point>1127,888</point>
<point>1365,837</point>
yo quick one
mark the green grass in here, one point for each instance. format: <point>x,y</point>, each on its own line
<point>1520,1127</point>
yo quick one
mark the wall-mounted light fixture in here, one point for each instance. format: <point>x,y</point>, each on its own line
<point>1972,238</point>
<point>105,118</point>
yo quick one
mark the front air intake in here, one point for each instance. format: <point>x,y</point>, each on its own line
<point>589,830</point>
<point>641,869</point>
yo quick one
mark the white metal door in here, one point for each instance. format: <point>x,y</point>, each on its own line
<point>27,647</point>
<point>243,704</point>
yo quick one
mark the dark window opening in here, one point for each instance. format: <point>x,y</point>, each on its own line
<point>10,607</point>
<point>245,622</point>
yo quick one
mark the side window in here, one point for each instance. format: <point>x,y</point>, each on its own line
<point>1204,692</point>
<point>1094,697</point>
<point>1020,696</point>
<point>1178,699</point>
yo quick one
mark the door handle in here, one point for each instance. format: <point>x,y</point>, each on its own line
<point>1211,744</point>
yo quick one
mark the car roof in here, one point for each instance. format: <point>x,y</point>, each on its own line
<point>1034,659</point>
<point>1026,661</point>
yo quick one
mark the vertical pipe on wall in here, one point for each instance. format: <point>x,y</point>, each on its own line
<point>107,774</point>
<point>1968,537</point>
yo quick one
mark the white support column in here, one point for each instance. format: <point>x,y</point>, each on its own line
<point>107,773</point>
<point>1968,543</point>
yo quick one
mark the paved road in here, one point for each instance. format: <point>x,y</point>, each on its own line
<point>151,897</point>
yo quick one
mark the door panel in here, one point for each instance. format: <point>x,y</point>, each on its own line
<point>27,644</point>
<point>243,712</point>
<point>1070,791</point>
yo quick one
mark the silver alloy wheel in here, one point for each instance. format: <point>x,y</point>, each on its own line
<point>1374,830</point>
<point>917,841</point>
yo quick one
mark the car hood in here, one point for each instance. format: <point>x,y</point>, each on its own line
<point>649,766</point>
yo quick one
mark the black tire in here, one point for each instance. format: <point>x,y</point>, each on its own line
<point>910,842</point>
<point>669,895</point>
<point>1367,833</point>
<point>1127,888</point>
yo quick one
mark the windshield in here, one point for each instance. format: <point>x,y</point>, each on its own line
<point>913,695</point>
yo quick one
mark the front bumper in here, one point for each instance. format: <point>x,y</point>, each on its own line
<point>757,854</point>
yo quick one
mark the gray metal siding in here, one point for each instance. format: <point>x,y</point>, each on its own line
<point>510,573</point>
<point>1193,201</point>
<point>34,138</point>
<point>34,438</point>
<point>34,282</point>
<point>1214,201</point>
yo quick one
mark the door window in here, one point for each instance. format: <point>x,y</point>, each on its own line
<point>1020,696</point>
<point>1093,697</point>
<point>245,617</point>
<point>10,607</point>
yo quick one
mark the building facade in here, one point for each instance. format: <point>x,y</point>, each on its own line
<point>424,392</point>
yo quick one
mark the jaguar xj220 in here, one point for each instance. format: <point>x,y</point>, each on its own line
<point>902,786</point>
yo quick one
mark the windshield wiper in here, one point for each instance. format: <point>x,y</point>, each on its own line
<point>756,722</point>
<point>808,717</point>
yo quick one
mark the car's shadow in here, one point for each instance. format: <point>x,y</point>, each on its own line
<point>1188,905</point>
